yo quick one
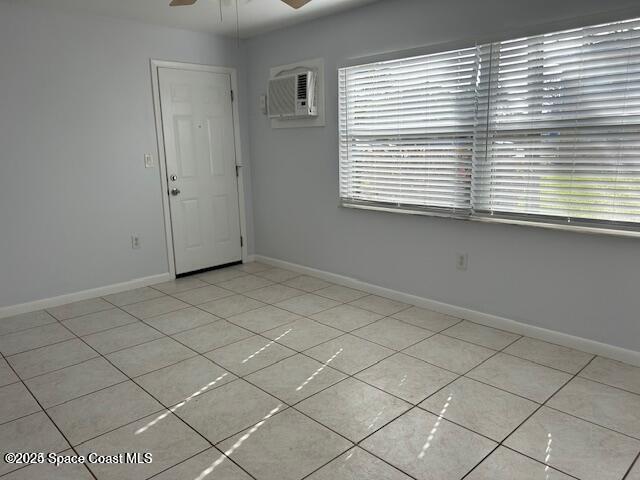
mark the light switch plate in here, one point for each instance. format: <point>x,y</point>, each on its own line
<point>148,161</point>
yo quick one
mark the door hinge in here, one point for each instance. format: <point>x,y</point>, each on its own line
<point>241,241</point>
<point>237,170</point>
<point>231,95</point>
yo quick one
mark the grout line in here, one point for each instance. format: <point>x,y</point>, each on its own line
<point>414,406</point>
<point>158,400</point>
<point>540,406</point>
<point>52,422</point>
<point>635,463</point>
<point>22,330</point>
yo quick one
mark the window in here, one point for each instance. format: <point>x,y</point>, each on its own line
<point>407,131</point>
<point>542,129</point>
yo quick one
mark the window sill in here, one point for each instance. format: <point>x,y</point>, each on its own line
<point>597,230</point>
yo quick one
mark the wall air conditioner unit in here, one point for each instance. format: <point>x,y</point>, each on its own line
<point>293,96</point>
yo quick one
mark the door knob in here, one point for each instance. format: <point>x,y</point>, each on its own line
<point>173,178</point>
<point>175,191</point>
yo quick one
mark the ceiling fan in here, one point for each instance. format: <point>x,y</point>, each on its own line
<point>292,3</point>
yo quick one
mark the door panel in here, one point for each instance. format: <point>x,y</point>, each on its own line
<point>197,123</point>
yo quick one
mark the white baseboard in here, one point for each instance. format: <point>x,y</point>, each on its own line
<point>591,346</point>
<point>82,295</point>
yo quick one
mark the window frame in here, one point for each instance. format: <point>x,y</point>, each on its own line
<point>581,225</point>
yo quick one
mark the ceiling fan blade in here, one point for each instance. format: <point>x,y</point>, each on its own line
<point>296,3</point>
<point>182,3</point>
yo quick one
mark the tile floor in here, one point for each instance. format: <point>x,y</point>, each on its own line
<point>259,372</point>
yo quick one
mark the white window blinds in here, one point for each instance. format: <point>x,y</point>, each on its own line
<point>542,129</point>
<point>559,118</point>
<point>406,131</point>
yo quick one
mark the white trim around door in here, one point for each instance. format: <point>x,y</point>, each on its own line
<point>162,162</point>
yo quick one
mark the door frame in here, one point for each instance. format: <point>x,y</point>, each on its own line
<point>162,160</point>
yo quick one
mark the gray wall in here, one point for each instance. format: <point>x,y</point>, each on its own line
<point>76,118</point>
<point>581,284</point>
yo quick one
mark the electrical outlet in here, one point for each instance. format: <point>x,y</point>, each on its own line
<point>135,242</point>
<point>462,261</point>
<point>148,161</point>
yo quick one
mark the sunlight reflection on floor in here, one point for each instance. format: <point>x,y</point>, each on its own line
<point>180,405</point>
<point>237,445</point>
<point>435,428</point>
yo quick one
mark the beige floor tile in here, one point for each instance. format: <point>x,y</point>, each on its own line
<point>214,335</point>
<point>201,295</point>
<point>264,318</point>
<point>51,472</point>
<point>341,294</point>
<point>574,446</point>
<point>295,378</point>
<point>634,474</point>
<point>52,357</point>
<point>428,447</point>
<point>521,377</point>
<point>122,337</point>
<point>34,433</point>
<point>307,283</point>
<point>406,377</point>
<point>481,335</point>
<point>248,355</point>
<point>616,374</point>
<point>229,306</point>
<point>227,410</point>
<point>244,284</point>
<point>287,446</point>
<point>450,353</point>
<point>169,441</point>
<point>150,356</point>
<point>90,416</point>
<point>221,275</point>
<point>220,467</point>
<point>180,320</point>
<point>356,464</point>
<point>353,409</point>
<point>505,464</point>
<point>428,319</point>
<point>607,406</point>
<point>133,296</point>
<point>7,376</point>
<point>16,402</point>
<point>99,321</point>
<point>392,333</point>
<point>277,274</point>
<point>78,309</point>
<point>274,293</point>
<point>175,383</point>
<point>355,355</point>
<point>24,321</point>
<point>381,305</point>
<point>302,334</point>
<point>307,304</point>
<point>180,285</point>
<point>63,385</point>
<point>481,408</point>
<point>36,337</point>
<point>550,355</point>
<point>346,317</point>
<point>253,267</point>
<point>155,307</point>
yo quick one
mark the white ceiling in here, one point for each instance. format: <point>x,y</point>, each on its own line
<point>255,16</point>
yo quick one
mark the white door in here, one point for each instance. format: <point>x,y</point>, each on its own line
<point>197,120</point>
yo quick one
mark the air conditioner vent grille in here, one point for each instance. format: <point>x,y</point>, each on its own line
<point>281,100</point>
<point>302,86</point>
